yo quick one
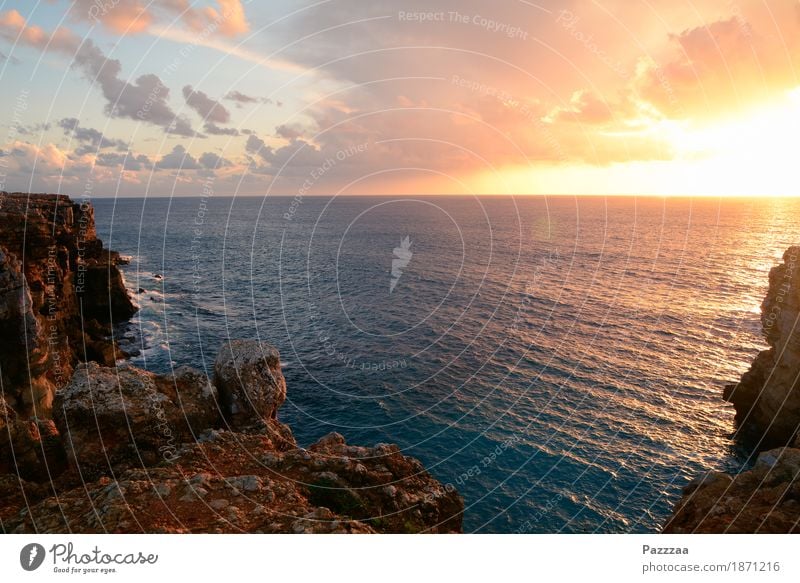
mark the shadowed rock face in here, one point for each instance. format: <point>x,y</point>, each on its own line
<point>29,448</point>
<point>767,398</point>
<point>60,292</point>
<point>765,499</point>
<point>131,451</point>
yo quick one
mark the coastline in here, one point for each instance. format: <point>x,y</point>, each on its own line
<point>108,447</point>
<point>766,498</point>
<point>34,451</point>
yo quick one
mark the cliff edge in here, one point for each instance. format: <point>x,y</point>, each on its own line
<point>766,498</point>
<point>92,445</point>
<point>129,451</point>
<point>60,294</point>
<point>767,398</point>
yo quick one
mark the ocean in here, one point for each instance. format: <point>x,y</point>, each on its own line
<point>558,360</point>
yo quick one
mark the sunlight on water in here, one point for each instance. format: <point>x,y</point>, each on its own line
<point>560,361</point>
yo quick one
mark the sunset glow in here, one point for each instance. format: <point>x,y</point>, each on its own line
<point>588,98</point>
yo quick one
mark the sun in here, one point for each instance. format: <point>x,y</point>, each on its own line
<point>754,154</point>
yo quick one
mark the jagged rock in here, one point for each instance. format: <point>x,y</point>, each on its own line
<point>120,417</point>
<point>250,382</point>
<point>56,280</point>
<point>30,448</point>
<point>765,499</point>
<point>130,451</point>
<point>767,401</point>
<point>24,357</point>
<point>767,398</point>
<point>117,422</point>
<point>224,485</point>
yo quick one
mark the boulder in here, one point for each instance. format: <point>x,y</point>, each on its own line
<point>250,382</point>
<point>765,499</point>
<point>111,418</point>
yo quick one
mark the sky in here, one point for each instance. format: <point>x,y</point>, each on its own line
<point>109,98</point>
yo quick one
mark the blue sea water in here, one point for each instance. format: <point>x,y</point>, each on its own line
<point>559,360</point>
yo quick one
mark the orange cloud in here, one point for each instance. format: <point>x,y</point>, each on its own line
<point>136,16</point>
<point>122,17</point>
<point>14,27</point>
<point>584,107</point>
<point>231,16</point>
<point>727,65</point>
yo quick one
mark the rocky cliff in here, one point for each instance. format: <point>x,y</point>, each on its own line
<point>140,452</point>
<point>88,444</point>
<point>767,398</point>
<point>60,294</point>
<point>765,499</point>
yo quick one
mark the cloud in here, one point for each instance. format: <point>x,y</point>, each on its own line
<point>178,159</point>
<point>212,161</point>
<point>37,128</point>
<point>215,130</point>
<point>288,132</point>
<point>231,15</point>
<point>240,97</point>
<point>13,60</point>
<point>127,160</point>
<point>138,16</point>
<point>144,100</point>
<point>31,158</point>
<point>727,64</point>
<point>295,158</point>
<point>254,144</point>
<point>585,107</point>
<point>91,140</point>
<point>119,16</point>
<point>209,109</point>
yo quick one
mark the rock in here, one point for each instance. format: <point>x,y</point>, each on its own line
<point>250,382</point>
<point>91,447</point>
<point>223,487</point>
<point>767,401</point>
<point>767,398</point>
<point>25,355</point>
<point>56,280</point>
<point>31,448</point>
<point>127,450</point>
<point>124,416</point>
<point>765,499</point>
<point>135,465</point>
<point>246,483</point>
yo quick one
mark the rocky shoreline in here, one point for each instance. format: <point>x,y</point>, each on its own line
<point>765,499</point>
<point>60,294</point>
<point>89,444</point>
